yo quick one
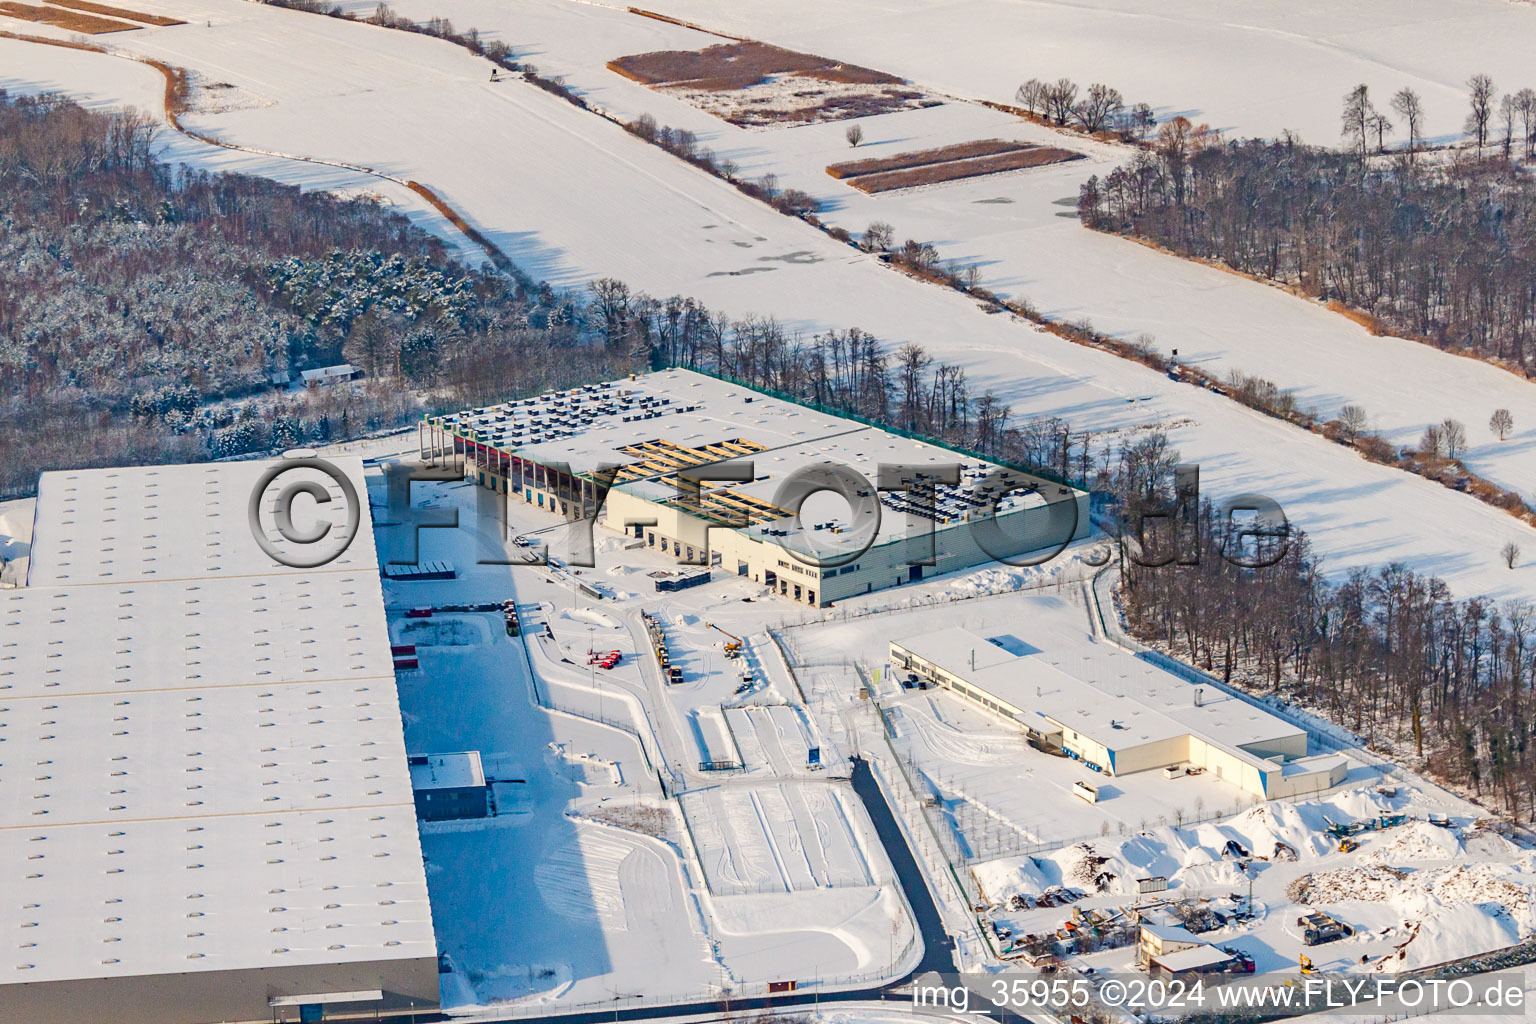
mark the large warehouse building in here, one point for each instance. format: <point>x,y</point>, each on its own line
<point>1145,718</point>
<point>659,433</point>
<point>205,805</point>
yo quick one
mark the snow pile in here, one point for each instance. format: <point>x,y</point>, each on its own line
<point>1492,890</point>
<point>1484,884</point>
<point>1268,830</point>
<point>1373,883</point>
<point>1417,841</point>
<point>1000,879</point>
<point>1002,578</point>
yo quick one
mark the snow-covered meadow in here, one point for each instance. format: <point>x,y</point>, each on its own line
<point>572,197</point>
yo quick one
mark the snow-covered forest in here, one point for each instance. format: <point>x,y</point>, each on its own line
<point>1445,686</point>
<point>1440,247</point>
<point>146,310</point>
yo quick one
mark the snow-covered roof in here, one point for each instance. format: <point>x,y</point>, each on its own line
<point>202,764</point>
<point>460,770</point>
<point>594,425</point>
<point>176,523</point>
<point>1193,959</point>
<point>1170,932</point>
<point>1117,699</point>
<point>342,371</point>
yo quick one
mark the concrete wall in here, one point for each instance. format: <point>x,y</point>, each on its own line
<point>1147,756</point>
<point>204,997</point>
<point>1289,787</point>
<point>1287,745</point>
<point>1232,766</point>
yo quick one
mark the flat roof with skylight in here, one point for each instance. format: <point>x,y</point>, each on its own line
<point>202,766</point>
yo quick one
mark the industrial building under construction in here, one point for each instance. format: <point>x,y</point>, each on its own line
<point>718,474</point>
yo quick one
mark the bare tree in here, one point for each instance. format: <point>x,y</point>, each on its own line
<point>1356,118</point>
<point>1432,444</point>
<point>1509,114</point>
<point>1352,422</point>
<point>1379,126</point>
<point>1060,99</point>
<point>1510,553</point>
<point>1031,96</point>
<point>1411,109</point>
<point>1525,103</point>
<point>879,237</point>
<point>1175,143</point>
<point>1501,423</point>
<point>1142,120</point>
<point>1098,107</point>
<point>854,135</point>
<point>1480,112</point>
<point>1455,437</point>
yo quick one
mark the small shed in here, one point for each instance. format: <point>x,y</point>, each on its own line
<point>449,786</point>
<point>328,375</point>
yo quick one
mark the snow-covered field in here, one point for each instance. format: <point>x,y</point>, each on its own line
<point>1253,68</point>
<point>572,197</point>
<point>1020,230</point>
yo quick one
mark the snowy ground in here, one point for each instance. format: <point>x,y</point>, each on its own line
<point>409,105</point>
<point>1253,68</point>
<point>1416,895</point>
<point>998,793</point>
<point>15,538</point>
<point>592,886</point>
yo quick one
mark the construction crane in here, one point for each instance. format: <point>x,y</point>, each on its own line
<point>733,647</point>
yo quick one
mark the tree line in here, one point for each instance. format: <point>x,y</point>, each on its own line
<point>1098,108</point>
<point>1447,685</point>
<point>1444,251</point>
<point>146,311</point>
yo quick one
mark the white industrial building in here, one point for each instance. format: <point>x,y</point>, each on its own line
<point>205,807</point>
<point>1130,716</point>
<point>656,429</point>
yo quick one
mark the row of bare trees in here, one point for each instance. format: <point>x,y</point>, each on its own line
<point>1098,108</point>
<point>1513,118</point>
<point>848,371</point>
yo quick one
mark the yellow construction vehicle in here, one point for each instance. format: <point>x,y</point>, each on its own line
<point>1346,845</point>
<point>733,646</point>
<point>1306,965</point>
